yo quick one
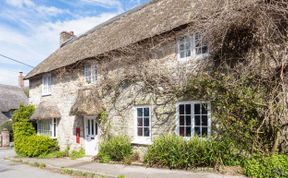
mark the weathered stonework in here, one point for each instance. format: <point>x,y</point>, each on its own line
<point>120,111</point>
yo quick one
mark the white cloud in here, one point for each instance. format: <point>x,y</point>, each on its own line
<point>106,3</point>
<point>37,36</point>
<point>40,9</point>
<point>20,3</point>
<point>39,43</point>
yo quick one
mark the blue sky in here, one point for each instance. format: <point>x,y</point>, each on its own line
<point>29,29</point>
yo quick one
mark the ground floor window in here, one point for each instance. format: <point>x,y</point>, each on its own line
<point>47,127</point>
<point>194,118</point>
<point>143,124</point>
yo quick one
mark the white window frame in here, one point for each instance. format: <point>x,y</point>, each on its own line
<point>192,39</point>
<point>192,103</point>
<point>90,73</point>
<point>53,124</point>
<point>46,84</point>
<point>142,140</point>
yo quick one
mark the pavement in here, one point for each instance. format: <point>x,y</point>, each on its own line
<point>10,169</point>
<point>114,170</point>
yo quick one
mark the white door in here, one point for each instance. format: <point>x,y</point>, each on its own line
<point>91,135</point>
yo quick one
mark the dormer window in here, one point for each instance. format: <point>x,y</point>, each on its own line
<point>90,73</point>
<point>46,84</point>
<point>191,46</point>
<point>184,47</point>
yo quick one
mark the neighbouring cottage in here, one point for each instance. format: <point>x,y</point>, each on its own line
<point>117,79</point>
<point>10,99</point>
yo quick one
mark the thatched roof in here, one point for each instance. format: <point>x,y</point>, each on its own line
<point>141,23</point>
<point>46,110</point>
<point>11,97</point>
<point>87,103</point>
<point>3,118</point>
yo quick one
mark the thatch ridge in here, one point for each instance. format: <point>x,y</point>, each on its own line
<point>11,97</point>
<point>46,110</point>
<point>129,28</point>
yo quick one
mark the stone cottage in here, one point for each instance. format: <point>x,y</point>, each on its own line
<point>98,84</point>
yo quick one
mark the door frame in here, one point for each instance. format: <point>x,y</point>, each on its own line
<point>96,133</point>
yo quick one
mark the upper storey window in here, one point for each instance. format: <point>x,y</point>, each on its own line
<point>90,73</point>
<point>46,84</point>
<point>191,46</point>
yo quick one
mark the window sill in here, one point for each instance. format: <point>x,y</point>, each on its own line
<point>194,57</point>
<point>142,141</point>
<point>46,94</point>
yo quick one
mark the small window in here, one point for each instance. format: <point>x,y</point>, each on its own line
<point>184,47</point>
<point>191,46</point>
<point>46,84</point>
<point>143,125</point>
<point>194,119</point>
<point>90,73</point>
<point>200,46</point>
<point>47,127</point>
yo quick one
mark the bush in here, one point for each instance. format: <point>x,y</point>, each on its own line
<point>77,154</point>
<point>26,142</point>
<point>116,149</point>
<point>36,145</point>
<point>174,152</point>
<point>270,167</point>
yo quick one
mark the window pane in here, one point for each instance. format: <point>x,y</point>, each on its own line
<point>204,108</point>
<point>188,53</point>
<point>205,49</point>
<point>182,47</point>
<point>88,127</point>
<point>188,131</point>
<point>92,127</point>
<point>146,132</point>
<point>182,54</point>
<point>139,112</point>
<point>197,131</point>
<point>197,120</point>
<point>204,120</point>
<point>198,51</point>
<point>146,121</point>
<point>188,108</point>
<point>181,109</point>
<point>54,127</point>
<point>140,131</point>
<point>139,121</point>
<point>181,120</point>
<point>188,120</point>
<point>146,111</point>
<point>181,131</point>
<point>204,131</point>
<point>197,109</point>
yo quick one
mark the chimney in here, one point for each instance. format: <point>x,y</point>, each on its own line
<point>21,80</point>
<point>64,36</point>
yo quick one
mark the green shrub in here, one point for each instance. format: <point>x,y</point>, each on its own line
<point>174,152</point>
<point>26,142</point>
<point>116,149</point>
<point>36,145</point>
<point>267,167</point>
<point>77,154</point>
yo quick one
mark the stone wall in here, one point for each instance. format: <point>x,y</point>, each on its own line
<point>121,113</point>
